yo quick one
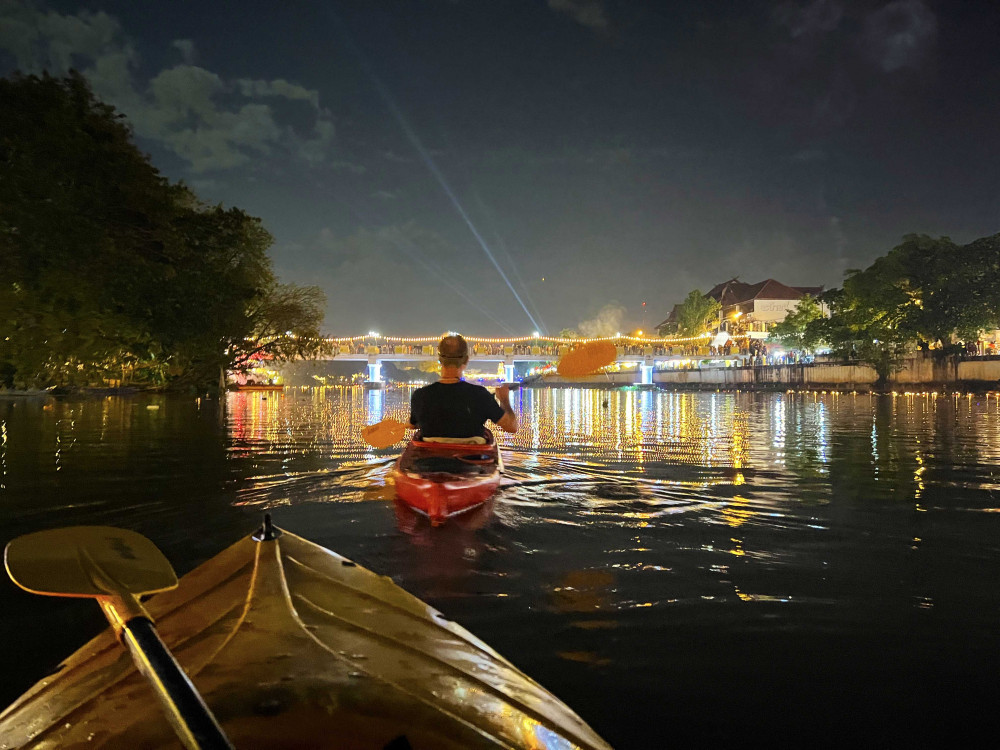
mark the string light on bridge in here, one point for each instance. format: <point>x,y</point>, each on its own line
<point>639,338</point>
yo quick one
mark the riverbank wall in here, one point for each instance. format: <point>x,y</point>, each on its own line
<point>918,373</point>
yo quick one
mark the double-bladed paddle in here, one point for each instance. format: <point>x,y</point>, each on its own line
<point>116,567</point>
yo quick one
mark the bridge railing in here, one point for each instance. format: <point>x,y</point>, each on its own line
<point>547,352</point>
<point>376,344</point>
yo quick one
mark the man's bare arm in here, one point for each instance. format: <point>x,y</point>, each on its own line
<point>508,422</point>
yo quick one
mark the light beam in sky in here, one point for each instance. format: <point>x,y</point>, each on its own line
<point>413,251</point>
<point>417,144</point>
<point>503,249</point>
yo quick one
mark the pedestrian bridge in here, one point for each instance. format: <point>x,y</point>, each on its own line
<point>646,354</point>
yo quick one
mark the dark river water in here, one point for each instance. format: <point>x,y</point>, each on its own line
<point>680,568</point>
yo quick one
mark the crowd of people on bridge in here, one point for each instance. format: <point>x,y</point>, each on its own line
<point>550,349</point>
<point>750,351</point>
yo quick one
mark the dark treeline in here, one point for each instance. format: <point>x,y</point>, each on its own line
<point>111,273</point>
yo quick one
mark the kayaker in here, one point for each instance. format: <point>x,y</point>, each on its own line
<point>452,409</point>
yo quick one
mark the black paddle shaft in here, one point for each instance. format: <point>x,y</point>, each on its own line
<point>182,701</point>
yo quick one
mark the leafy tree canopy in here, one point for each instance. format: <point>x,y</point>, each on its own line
<point>696,314</point>
<point>924,289</point>
<point>795,331</point>
<point>113,273</point>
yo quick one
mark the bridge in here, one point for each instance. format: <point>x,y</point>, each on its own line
<point>647,352</point>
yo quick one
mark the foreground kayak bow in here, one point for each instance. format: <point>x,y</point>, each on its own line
<point>294,646</point>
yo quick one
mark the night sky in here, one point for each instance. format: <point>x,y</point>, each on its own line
<point>503,166</point>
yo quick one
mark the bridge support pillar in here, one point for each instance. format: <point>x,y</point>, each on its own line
<point>508,370</point>
<point>374,370</point>
<point>646,372</point>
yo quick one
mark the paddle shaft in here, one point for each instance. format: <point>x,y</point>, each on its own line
<point>190,716</point>
<point>115,567</point>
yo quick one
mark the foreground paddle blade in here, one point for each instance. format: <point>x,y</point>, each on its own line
<point>88,561</point>
<point>587,359</point>
<point>385,433</point>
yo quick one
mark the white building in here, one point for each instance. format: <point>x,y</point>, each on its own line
<point>754,308</point>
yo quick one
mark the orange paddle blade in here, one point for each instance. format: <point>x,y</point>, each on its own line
<point>384,433</point>
<point>587,359</point>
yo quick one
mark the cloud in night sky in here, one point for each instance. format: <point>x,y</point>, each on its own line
<point>208,122</point>
<point>818,17</point>
<point>589,13</point>
<point>186,48</point>
<point>836,55</point>
<point>901,34</point>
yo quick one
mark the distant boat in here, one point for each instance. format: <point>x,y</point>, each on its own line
<point>256,387</point>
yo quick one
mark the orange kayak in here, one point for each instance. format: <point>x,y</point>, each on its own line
<point>443,480</point>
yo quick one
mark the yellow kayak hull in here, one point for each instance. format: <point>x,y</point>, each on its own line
<point>294,646</point>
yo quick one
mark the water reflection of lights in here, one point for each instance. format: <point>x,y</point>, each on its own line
<point>376,402</point>
<point>57,453</point>
<point>737,512</point>
<point>3,454</point>
<point>778,428</point>
<point>918,479</point>
<point>761,597</point>
<point>822,436</point>
<point>535,421</point>
<point>584,591</point>
<point>874,442</point>
<point>650,454</point>
<point>741,442</point>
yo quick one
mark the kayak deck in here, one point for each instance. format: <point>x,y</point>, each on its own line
<point>441,480</point>
<point>294,646</point>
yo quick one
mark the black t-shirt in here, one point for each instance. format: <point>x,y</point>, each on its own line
<point>453,409</point>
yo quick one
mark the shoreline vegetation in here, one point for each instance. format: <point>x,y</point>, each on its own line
<point>115,276</point>
<point>927,298</point>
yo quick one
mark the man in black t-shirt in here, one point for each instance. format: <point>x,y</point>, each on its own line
<point>452,408</point>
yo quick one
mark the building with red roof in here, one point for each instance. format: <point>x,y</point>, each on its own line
<point>751,309</point>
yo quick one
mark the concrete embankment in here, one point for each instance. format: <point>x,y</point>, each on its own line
<point>919,372</point>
